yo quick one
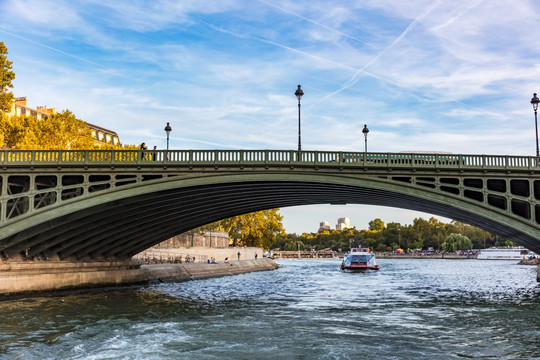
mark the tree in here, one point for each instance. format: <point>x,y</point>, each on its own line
<point>255,229</point>
<point>381,248</point>
<point>62,131</point>
<point>376,225</point>
<point>456,241</point>
<point>6,78</point>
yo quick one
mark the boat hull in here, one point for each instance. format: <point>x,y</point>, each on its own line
<point>361,267</point>
<point>359,259</point>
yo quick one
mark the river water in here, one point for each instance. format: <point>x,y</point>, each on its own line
<point>307,309</point>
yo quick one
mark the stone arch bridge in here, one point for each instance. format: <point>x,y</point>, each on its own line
<point>94,205</point>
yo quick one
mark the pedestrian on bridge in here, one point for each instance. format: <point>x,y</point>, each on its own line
<point>238,255</point>
<point>142,150</point>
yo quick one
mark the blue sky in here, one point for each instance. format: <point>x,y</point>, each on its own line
<point>454,76</point>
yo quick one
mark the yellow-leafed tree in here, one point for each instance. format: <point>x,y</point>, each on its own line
<point>255,229</point>
<point>61,131</point>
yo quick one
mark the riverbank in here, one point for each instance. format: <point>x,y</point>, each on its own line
<point>195,271</point>
<point>197,254</point>
<point>306,254</point>
<point>525,261</point>
<point>419,256</point>
<point>50,277</point>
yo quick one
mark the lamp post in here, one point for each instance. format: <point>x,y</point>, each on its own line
<point>399,236</point>
<point>168,130</point>
<point>438,237</point>
<point>365,130</point>
<point>534,101</point>
<point>299,93</point>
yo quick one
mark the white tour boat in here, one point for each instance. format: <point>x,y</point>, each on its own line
<point>359,259</point>
<point>513,253</point>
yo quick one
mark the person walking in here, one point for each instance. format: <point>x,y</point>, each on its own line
<point>238,255</point>
<point>142,150</point>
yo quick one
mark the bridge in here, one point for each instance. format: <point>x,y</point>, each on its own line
<point>92,205</point>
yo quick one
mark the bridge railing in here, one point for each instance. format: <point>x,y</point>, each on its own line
<point>327,158</point>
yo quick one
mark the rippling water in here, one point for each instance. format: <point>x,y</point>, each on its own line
<point>308,309</point>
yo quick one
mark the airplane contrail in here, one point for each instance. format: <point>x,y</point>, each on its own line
<point>317,23</point>
<point>354,78</point>
<point>348,67</point>
<point>51,48</point>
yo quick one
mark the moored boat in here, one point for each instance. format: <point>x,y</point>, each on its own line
<point>359,259</point>
<point>511,253</point>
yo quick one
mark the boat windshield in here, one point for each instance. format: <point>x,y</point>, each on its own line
<point>361,258</point>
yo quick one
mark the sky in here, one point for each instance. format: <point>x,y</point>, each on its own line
<point>453,76</point>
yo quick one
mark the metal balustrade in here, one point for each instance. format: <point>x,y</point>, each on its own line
<point>241,157</point>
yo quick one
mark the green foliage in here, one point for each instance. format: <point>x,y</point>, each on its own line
<point>509,243</point>
<point>420,235</point>
<point>381,247</point>
<point>376,225</point>
<point>6,78</point>
<point>295,246</point>
<point>455,242</point>
<point>417,244</point>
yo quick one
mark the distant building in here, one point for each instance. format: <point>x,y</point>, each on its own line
<point>213,239</point>
<point>343,223</point>
<point>324,225</point>
<point>20,108</point>
<point>100,134</point>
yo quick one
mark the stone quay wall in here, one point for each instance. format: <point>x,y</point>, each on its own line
<point>26,278</point>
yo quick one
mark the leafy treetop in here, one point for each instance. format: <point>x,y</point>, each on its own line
<point>6,78</point>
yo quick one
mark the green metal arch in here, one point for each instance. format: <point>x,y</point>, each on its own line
<point>124,221</point>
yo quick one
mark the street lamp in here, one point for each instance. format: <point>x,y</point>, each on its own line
<point>168,130</point>
<point>299,93</point>
<point>365,130</point>
<point>534,101</point>
<point>438,237</point>
<point>399,236</point>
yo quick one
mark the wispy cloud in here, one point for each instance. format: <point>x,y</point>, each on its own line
<point>317,23</point>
